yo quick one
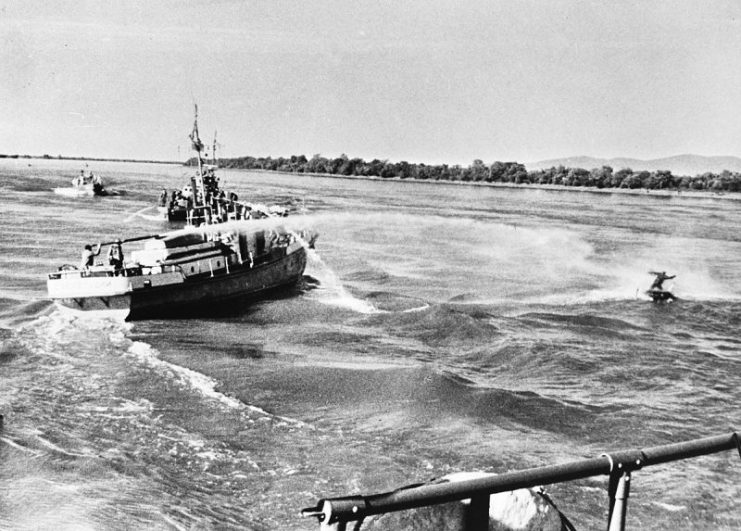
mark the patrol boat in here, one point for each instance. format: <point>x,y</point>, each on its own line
<point>202,201</point>
<point>185,272</point>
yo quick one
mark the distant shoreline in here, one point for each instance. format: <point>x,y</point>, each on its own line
<point>87,159</point>
<point>701,194</point>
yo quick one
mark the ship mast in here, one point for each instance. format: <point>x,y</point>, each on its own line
<point>198,147</point>
<point>213,152</point>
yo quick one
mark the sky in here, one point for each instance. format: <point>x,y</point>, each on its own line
<point>430,81</point>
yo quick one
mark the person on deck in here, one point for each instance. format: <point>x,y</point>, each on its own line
<point>115,255</point>
<point>80,179</point>
<point>658,284</point>
<point>88,256</point>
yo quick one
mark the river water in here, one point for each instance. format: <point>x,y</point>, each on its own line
<point>439,328</point>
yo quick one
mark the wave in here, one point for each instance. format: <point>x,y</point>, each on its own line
<point>202,384</point>
<point>443,324</point>
<point>16,314</point>
<point>206,386</point>
<point>501,405</point>
<point>422,393</point>
<point>62,334</point>
<point>373,275</point>
<point>585,322</point>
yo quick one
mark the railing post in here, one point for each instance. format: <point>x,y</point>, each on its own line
<point>337,526</point>
<point>619,491</point>
<point>477,516</point>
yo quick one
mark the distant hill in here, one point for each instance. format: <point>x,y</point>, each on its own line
<point>678,164</point>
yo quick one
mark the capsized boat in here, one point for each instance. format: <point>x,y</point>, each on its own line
<point>186,272</point>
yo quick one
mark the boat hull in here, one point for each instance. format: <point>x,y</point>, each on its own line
<point>661,295</point>
<point>86,190</point>
<point>75,191</point>
<point>223,292</point>
<point>176,213</point>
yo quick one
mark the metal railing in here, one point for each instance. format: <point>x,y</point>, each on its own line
<point>336,513</point>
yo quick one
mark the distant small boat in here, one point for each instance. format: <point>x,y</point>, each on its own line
<point>657,291</point>
<point>83,186</point>
<point>660,295</point>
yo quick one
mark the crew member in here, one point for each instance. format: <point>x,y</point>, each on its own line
<point>659,280</point>
<point>115,255</point>
<point>80,179</point>
<point>88,256</point>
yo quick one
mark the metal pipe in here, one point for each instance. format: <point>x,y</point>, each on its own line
<point>128,240</point>
<point>353,508</point>
<point>687,449</point>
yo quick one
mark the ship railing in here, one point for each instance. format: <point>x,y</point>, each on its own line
<point>159,269</point>
<point>68,271</point>
<point>335,513</point>
<point>223,209</point>
<point>110,271</point>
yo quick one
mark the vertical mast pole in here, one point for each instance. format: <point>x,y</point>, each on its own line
<point>198,146</point>
<point>213,152</point>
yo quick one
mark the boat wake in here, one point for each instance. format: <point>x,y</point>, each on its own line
<point>145,354</point>
<point>59,331</point>
<point>140,214</point>
<point>71,192</point>
<point>632,293</point>
<point>692,283</point>
<point>330,290</point>
<point>416,309</point>
<point>16,314</point>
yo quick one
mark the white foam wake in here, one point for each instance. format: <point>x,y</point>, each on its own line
<point>204,385</point>
<point>331,291</point>
<point>140,214</point>
<point>59,328</point>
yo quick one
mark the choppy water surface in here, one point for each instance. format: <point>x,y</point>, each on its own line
<point>439,328</point>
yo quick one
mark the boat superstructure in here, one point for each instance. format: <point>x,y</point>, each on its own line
<point>201,201</point>
<point>185,272</point>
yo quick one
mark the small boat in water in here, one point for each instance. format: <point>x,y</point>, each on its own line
<point>656,292</point>
<point>660,295</point>
<point>83,186</point>
<point>185,272</point>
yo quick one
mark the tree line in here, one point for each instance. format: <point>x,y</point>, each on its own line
<point>497,172</point>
